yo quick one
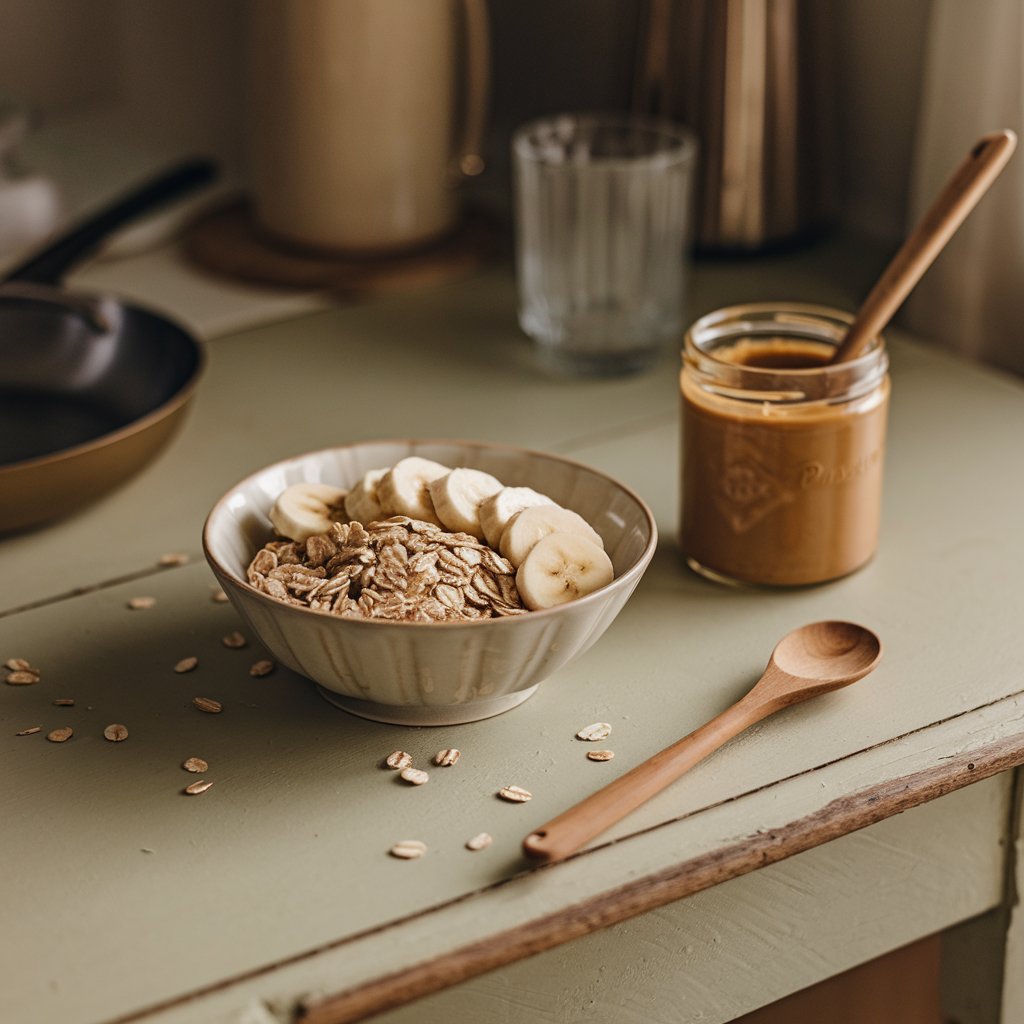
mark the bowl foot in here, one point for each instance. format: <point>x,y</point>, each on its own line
<point>444,714</point>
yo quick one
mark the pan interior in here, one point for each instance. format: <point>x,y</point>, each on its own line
<point>64,384</point>
<point>35,424</point>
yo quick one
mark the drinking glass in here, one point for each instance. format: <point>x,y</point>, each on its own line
<point>602,212</point>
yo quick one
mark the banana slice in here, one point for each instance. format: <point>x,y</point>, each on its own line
<point>498,509</point>
<point>560,568</point>
<point>361,504</point>
<point>531,525</point>
<point>457,496</point>
<point>307,508</point>
<point>402,490</point>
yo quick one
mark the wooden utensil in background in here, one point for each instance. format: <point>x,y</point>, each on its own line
<point>807,662</point>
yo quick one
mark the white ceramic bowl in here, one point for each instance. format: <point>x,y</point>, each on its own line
<point>428,673</point>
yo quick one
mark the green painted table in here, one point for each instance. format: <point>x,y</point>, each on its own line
<point>272,895</point>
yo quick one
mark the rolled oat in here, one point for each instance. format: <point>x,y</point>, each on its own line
<point>408,849</point>
<point>415,776</point>
<point>172,558</point>
<point>479,842</point>
<point>594,733</point>
<point>515,794</point>
<point>22,678</point>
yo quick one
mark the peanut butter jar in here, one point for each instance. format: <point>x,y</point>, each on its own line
<point>782,451</point>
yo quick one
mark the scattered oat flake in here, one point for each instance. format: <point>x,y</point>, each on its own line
<point>234,640</point>
<point>22,678</point>
<point>30,731</point>
<point>195,764</point>
<point>20,665</point>
<point>200,786</point>
<point>141,603</point>
<point>64,702</point>
<point>415,776</point>
<point>217,596</point>
<point>447,758</point>
<point>208,704</point>
<point>515,794</point>
<point>115,733</point>
<point>186,664</point>
<point>60,735</point>
<point>398,759</point>
<point>600,755</point>
<point>480,842</point>
<point>262,668</point>
<point>172,558</point>
<point>408,849</point>
<point>595,732</point>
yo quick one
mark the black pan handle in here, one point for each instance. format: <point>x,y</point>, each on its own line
<point>50,264</point>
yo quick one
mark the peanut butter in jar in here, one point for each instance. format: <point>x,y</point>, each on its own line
<point>782,450</point>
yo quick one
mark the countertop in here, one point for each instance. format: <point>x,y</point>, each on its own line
<point>273,893</point>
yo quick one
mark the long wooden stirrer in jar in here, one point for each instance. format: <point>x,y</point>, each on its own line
<point>969,182</point>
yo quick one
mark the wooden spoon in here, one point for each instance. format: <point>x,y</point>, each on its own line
<point>970,181</point>
<point>811,660</point>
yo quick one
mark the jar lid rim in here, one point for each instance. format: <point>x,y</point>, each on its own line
<point>734,320</point>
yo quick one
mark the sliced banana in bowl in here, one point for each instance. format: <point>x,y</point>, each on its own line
<point>305,509</point>
<point>497,510</point>
<point>531,525</point>
<point>361,504</point>
<point>457,497</point>
<point>560,568</point>
<point>404,490</point>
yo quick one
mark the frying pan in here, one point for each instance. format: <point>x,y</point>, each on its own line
<point>90,387</point>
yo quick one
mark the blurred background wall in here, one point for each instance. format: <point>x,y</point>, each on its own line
<point>124,86</point>
<point>174,73</point>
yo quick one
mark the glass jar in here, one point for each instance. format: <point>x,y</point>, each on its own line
<point>782,451</point>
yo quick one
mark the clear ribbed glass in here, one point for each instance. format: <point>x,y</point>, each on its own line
<point>602,214</point>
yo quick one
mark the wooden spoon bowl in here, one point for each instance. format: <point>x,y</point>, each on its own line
<point>831,652</point>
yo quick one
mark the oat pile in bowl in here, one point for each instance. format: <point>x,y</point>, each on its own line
<point>422,542</point>
<point>398,568</point>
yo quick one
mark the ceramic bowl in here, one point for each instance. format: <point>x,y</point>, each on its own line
<point>429,673</point>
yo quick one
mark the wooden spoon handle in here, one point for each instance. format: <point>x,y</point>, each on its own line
<point>968,184</point>
<point>569,831</point>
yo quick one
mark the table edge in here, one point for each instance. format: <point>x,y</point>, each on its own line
<point>839,817</point>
